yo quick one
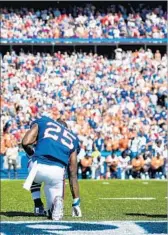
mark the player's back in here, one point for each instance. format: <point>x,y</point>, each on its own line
<point>54,143</point>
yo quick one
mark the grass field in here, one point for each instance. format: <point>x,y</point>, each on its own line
<point>96,202</point>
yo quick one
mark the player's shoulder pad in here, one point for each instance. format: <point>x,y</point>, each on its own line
<point>38,121</point>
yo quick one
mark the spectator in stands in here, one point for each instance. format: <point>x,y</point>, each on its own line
<point>3,146</point>
<point>81,156</point>
<point>112,166</point>
<point>137,166</point>
<point>11,156</point>
<point>82,152</point>
<point>158,147</point>
<point>90,142</point>
<point>95,153</point>
<point>124,165</point>
<point>99,143</point>
<point>86,164</point>
<point>9,139</point>
<point>108,144</point>
<point>156,166</point>
<point>147,164</point>
<point>138,144</point>
<point>98,167</point>
<point>134,147</point>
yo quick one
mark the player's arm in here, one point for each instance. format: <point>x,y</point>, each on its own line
<point>74,186</point>
<point>72,174</point>
<point>29,139</point>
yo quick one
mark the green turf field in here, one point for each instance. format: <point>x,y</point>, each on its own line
<point>16,203</point>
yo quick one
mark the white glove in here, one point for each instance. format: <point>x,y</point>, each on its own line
<point>76,211</point>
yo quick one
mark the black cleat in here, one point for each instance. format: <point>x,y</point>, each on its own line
<point>39,211</point>
<point>49,214</point>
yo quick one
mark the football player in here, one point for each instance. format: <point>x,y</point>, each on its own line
<point>56,148</point>
<point>36,188</point>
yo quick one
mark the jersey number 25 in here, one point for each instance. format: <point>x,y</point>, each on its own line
<point>66,137</point>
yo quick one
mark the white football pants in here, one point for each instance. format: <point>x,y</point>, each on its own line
<point>53,178</point>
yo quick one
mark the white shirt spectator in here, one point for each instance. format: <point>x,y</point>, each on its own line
<point>123,162</point>
<point>158,149</point>
<point>81,154</point>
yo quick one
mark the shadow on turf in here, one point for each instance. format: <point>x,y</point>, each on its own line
<point>17,213</point>
<point>21,213</point>
<point>148,215</point>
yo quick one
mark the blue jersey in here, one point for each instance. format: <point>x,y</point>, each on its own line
<point>99,144</point>
<point>55,143</point>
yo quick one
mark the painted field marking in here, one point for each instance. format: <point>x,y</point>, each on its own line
<point>128,198</point>
<point>145,183</point>
<point>105,183</point>
<point>84,227</point>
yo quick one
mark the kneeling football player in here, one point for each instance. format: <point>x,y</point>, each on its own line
<point>56,149</point>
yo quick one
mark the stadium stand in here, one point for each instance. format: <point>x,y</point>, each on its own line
<point>117,105</point>
<point>86,21</point>
<point>93,93</point>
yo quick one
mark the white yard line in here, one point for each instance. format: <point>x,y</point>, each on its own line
<point>128,198</point>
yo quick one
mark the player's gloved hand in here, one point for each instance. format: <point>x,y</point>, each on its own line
<point>76,211</point>
<point>28,156</point>
<point>29,149</point>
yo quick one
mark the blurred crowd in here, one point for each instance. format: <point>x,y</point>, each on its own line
<point>147,165</point>
<point>87,21</point>
<point>117,106</point>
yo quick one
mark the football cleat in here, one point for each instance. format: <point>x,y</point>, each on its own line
<point>76,211</point>
<point>49,214</point>
<point>57,209</point>
<point>39,211</point>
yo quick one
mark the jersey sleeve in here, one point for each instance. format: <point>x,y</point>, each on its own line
<point>76,146</point>
<point>38,121</point>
